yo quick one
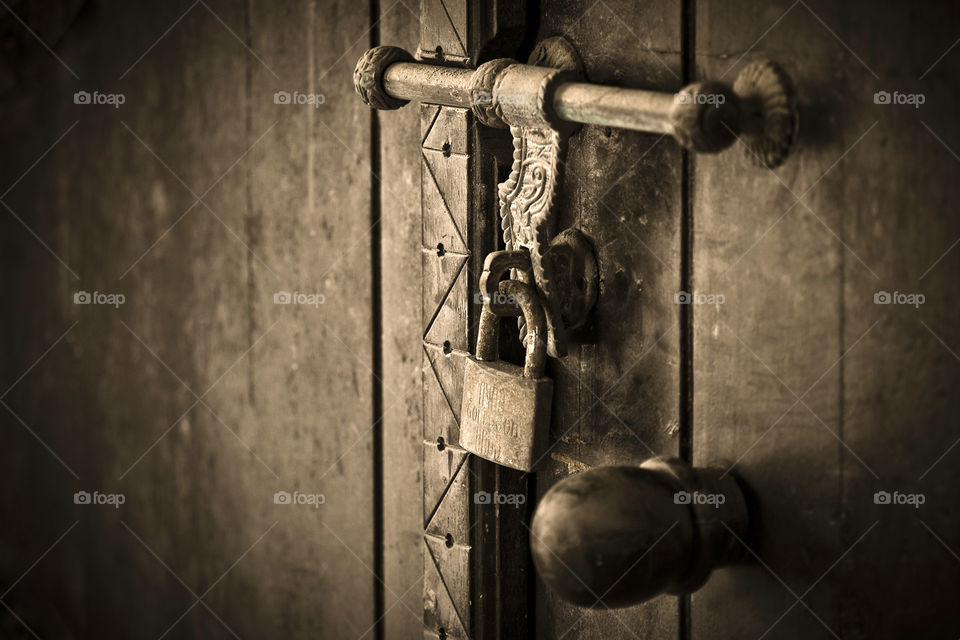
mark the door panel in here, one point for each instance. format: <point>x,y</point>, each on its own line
<point>616,394</point>
<point>820,396</point>
<point>777,333</point>
<point>289,387</point>
<point>399,188</point>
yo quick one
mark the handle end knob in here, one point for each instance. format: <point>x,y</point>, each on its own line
<point>770,119</point>
<point>368,76</point>
<point>760,110</point>
<point>616,536</point>
<point>705,117</point>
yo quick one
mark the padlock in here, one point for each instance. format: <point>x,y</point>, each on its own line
<point>505,408</point>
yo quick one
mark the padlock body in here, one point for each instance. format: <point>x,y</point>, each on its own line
<point>504,417</point>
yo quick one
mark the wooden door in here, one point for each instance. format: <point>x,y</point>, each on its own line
<point>820,393</point>
<point>197,398</point>
<point>821,398</point>
<point>822,372</point>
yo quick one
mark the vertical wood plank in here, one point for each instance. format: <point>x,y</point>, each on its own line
<point>799,280</point>
<point>899,381</point>
<point>310,203</point>
<point>288,406</point>
<point>777,335</point>
<point>616,395</point>
<point>402,334</point>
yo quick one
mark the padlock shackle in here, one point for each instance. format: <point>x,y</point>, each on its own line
<point>495,265</point>
<point>536,339</point>
<point>488,336</point>
<point>525,297</point>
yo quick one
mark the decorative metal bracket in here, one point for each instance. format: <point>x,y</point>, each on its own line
<point>528,197</point>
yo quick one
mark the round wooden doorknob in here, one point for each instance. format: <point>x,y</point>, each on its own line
<point>616,536</point>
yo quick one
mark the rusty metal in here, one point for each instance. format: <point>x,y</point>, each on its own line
<point>495,266</point>
<point>448,86</point>
<point>522,95</point>
<point>543,102</point>
<point>628,534</point>
<point>571,261</point>
<point>759,108</point>
<point>505,412</point>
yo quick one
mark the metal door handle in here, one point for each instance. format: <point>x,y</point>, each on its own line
<point>759,108</point>
<point>616,536</point>
<point>542,103</point>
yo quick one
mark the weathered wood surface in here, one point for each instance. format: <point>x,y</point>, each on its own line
<point>296,385</point>
<point>616,394</point>
<point>821,397</point>
<point>474,580</point>
<point>403,352</point>
<point>474,583</point>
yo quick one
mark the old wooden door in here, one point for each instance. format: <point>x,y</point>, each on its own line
<point>199,194</point>
<point>817,358</point>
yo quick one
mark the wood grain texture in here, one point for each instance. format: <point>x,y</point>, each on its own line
<point>900,404</point>
<point>290,386</point>
<point>777,333</point>
<point>820,396</point>
<point>616,395</point>
<point>475,584</point>
<point>402,335</point>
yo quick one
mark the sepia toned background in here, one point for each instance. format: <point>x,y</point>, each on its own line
<point>248,235</point>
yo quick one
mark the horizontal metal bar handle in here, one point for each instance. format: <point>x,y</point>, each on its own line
<point>759,108</point>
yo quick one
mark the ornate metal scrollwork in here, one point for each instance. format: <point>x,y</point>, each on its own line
<point>528,197</point>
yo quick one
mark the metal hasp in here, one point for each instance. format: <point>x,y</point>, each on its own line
<point>502,93</point>
<point>759,109</point>
<point>616,536</point>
